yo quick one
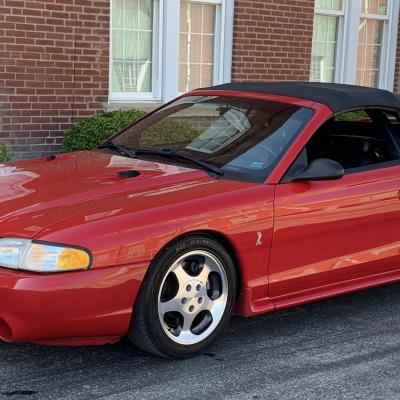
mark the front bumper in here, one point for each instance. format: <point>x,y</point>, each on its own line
<point>83,307</point>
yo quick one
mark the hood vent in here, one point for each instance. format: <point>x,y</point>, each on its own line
<point>128,174</point>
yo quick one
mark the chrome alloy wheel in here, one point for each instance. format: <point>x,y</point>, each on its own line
<point>193,297</point>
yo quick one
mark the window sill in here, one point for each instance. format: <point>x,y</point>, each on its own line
<point>137,105</point>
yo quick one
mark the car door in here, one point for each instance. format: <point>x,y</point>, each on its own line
<point>330,232</point>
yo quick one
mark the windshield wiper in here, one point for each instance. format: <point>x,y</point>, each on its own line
<point>114,146</point>
<point>170,153</point>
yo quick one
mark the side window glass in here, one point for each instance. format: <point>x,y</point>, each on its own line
<point>393,125</point>
<point>359,139</point>
<point>392,117</point>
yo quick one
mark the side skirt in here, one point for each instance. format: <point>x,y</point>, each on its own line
<point>261,306</point>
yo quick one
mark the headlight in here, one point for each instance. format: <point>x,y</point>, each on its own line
<point>41,257</point>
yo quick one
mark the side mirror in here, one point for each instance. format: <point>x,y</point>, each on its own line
<point>321,169</point>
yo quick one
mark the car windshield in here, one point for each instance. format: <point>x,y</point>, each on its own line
<point>244,138</point>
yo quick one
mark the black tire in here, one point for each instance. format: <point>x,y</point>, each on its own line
<point>146,331</point>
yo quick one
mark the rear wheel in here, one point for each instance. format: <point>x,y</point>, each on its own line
<point>186,299</point>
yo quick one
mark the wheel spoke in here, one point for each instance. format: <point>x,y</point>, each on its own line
<point>187,323</point>
<point>209,266</point>
<point>174,304</point>
<point>205,272</point>
<point>207,304</point>
<point>216,307</point>
<point>182,276</point>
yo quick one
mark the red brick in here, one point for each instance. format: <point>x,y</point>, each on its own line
<point>272,26</point>
<point>39,73</point>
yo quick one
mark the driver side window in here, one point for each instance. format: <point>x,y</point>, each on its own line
<point>358,140</point>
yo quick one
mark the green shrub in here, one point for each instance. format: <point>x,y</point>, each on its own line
<point>5,155</point>
<point>351,116</point>
<point>169,131</point>
<point>90,132</point>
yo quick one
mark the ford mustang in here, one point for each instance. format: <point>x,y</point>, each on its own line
<point>242,198</point>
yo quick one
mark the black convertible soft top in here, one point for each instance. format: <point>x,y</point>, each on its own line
<point>338,97</point>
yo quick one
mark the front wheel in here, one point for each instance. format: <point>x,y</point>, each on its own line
<point>186,299</point>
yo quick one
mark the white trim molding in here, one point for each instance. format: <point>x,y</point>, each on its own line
<point>391,47</point>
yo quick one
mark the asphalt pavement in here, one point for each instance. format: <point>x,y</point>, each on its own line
<point>342,348</point>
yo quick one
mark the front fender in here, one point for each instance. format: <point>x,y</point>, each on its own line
<point>125,236</point>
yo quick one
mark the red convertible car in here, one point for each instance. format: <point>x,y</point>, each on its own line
<point>242,198</point>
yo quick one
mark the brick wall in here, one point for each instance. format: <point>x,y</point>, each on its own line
<point>272,39</point>
<point>53,69</point>
<point>54,61</point>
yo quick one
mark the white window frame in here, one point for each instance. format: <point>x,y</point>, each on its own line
<point>156,62</point>
<point>166,51</point>
<point>346,56</point>
<point>339,45</point>
<point>382,62</point>
<point>222,70</point>
<point>388,52</point>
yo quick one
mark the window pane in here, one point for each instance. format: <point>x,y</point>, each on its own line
<point>146,14</point>
<point>118,15</point>
<point>132,45</point>
<point>369,52</point>
<point>196,45</point>
<point>353,139</point>
<point>329,4</point>
<point>374,7</point>
<point>131,14</point>
<point>323,63</point>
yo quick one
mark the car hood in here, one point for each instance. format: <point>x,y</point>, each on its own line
<point>36,194</point>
